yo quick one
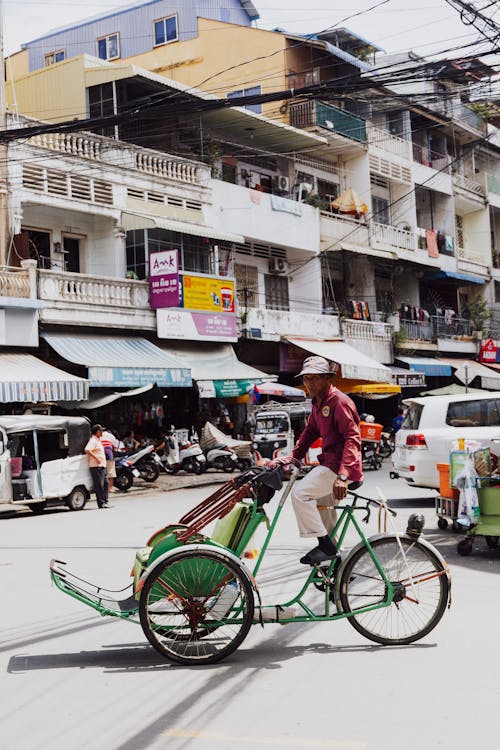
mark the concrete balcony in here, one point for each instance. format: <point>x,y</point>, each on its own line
<point>263,217</point>
<point>438,334</point>
<point>325,116</point>
<point>373,339</point>
<point>17,283</point>
<point>469,186</point>
<point>387,237</point>
<point>336,229</point>
<point>390,144</point>
<point>97,301</point>
<point>272,325</point>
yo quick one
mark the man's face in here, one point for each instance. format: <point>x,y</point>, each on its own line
<point>316,385</point>
<point>98,434</point>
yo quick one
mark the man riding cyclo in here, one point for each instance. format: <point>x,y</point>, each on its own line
<point>335,419</point>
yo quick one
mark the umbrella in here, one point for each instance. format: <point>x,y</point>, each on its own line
<point>349,202</point>
<point>277,389</point>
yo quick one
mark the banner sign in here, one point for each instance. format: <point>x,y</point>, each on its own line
<point>164,279</point>
<point>489,352</point>
<point>133,377</point>
<point>196,326</point>
<point>206,293</point>
<point>409,379</point>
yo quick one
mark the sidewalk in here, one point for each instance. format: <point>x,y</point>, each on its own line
<point>164,483</point>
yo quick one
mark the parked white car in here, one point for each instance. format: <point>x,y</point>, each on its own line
<point>433,423</point>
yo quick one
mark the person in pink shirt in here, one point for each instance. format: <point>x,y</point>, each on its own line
<point>97,465</point>
<point>335,419</point>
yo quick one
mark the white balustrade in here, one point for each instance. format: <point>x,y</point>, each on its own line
<point>14,283</point>
<point>78,288</point>
<point>365,330</point>
<point>388,142</point>
<point>385,234</point>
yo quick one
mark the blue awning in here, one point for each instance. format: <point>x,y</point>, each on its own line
<point>118,361</point>
<point>434,276</point>
<point>431,367</point>
<point>26,378</point>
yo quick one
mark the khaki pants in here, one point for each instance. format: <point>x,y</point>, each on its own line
<point>316,487</point>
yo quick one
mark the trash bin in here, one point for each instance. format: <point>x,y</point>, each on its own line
<point>489,501</point>
<point>445,489</point>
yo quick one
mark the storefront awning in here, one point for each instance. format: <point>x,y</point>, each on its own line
<point>379,389</point>
<point>26,378</point>
<point>428,365</point>
<point>217,370</point>
<point>440,275</point>
<point>354,364</point>
<point>131,221</point>
<point>117,361</point>
<point>466,370</point>
<point>101,401</point>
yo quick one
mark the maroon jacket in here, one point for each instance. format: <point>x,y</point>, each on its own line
<point>334,418</point>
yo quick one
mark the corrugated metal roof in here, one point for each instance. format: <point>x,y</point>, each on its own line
<point>111,351</point>
<point>132,221</point>
<point>26,378</point>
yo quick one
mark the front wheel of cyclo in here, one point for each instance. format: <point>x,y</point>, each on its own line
<point>196,607</point>
<point>421,591</point>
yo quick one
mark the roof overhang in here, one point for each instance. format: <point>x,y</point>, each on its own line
<point>131,221</point>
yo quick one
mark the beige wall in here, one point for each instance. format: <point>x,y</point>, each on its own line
<point>16,65</point>
<point>55,93</point>
<point>203,62</point>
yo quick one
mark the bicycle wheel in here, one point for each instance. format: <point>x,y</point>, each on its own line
<point>414,611</point>
<point>196,607</point>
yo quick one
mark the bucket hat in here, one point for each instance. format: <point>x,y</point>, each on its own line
<point>317,366</point>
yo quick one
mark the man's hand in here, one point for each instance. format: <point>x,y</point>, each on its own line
<point>340,488</point>
<point>285,462</point>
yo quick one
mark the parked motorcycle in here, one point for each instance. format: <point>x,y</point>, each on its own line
<point>186,455</point>
<point>369,454</point>
<point>125,473</point>
<point>222,458</point>
<point>143,461</point>
<point>386,447</point>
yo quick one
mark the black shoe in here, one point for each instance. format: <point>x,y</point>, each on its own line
<point>317,556</point>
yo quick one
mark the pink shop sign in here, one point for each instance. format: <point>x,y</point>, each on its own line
<point>164,279</point>
<point>196,326</point>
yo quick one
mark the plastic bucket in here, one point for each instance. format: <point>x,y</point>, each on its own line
<point>489,501</point>
<point>445,490</point>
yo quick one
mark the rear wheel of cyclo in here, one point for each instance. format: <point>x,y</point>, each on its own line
<point>415,610</point>
<point>196,607</point>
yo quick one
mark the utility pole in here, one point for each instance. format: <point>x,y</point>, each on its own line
<point>4,171</point>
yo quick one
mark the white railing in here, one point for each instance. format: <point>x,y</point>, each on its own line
<point>473,187</point>
<point>385,234</point>
<point>366,330</point>
<point>87,147</point>
<point>60,286</point>
<point>158,165</point>
<point>15,282</point>
<point>392,144</point>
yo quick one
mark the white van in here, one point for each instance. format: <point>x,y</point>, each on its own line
<point>42,461</point>
<point>433,423</point>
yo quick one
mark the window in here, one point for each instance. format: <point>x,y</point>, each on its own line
<point>380,208</point>
<point>276,292</point>
<point>247,285</point>
<point>101,104</point>
<point>108,47</point>
<point>481,413</point>
<point>165,30</point>
<point>412,418</point>
<point>54,57</point>
<point>257,108</point>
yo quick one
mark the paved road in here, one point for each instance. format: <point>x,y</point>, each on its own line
<point>70,679</point>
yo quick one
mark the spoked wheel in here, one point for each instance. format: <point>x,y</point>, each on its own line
<point>414,611</point>
<point>196,607</point>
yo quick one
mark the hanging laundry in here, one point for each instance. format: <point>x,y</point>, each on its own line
<point>431,240</point>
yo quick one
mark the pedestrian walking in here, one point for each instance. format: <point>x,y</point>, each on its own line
<point>97,465</point>
<point>110,445</point>
<point>333,418</point>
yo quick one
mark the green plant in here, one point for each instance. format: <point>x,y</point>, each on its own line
<point>315,200</point>
<point>399,337</point>
<point>477,309</point>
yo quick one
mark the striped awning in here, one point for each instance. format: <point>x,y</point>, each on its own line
<point>131,221</point>
<point>26,378</point>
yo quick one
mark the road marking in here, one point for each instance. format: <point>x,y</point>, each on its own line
<point>283,741</point>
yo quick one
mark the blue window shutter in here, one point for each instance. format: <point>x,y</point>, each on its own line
<point>171,28</point>
<point>160,32</point>
<point>256,108</point>
<point>59,56</point>
<point>101,47</point>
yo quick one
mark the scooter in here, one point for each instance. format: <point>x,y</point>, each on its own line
<point>222,458</point>
<point>369,454</point>
<point>186,455</point>
<point>386,448</point>
<point>143,461</point>
<point>125,473</point>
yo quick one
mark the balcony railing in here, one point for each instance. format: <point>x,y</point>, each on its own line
<point>387,142</point>
<point>365,330</point>
<point>15,282</point>
<point>385,234</point>
<point>423,155</point>
<point>310,113</point>
<point>459,180</point>
<point>437,327</point>
<point>61,286</point>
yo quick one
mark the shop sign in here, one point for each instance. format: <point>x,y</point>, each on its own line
<point>209,293</point>
<point>409,379</point>
<point>291,358</point>
<point>164,279</point>
<point>489,352</point>
<point>230,388</point>
<point>206,388</point>
<point>137,376</point>
<point>196,326</point>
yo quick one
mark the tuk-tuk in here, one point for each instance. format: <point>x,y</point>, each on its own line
<point>42,461</point>
<point>277,429</point>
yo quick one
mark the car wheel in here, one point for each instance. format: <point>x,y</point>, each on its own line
<point>76,499</point>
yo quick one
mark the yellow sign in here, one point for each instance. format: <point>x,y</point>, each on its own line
<point>208,293</point>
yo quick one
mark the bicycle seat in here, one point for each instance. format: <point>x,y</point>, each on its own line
<point>354,485</point>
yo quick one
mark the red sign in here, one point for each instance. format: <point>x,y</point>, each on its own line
<point>489,352</point>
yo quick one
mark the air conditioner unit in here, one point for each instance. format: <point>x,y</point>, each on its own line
<point>278,265</point>
<point>281,183</point>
